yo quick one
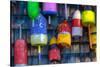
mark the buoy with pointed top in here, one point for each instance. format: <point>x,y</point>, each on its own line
<point>33,9</point>
<point>76,24</point>
<point>88,16</point>
<point>54,52</point>
<point>64,34</point>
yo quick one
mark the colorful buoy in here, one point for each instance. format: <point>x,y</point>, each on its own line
<point>39,34</point>
<point>54,52</point>
<point>76,24</point>
<point>39,31</point>
<point>64,36</point>
<point>33,9</point>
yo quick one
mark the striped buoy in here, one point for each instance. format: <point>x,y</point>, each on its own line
<point>93,36</point>
<point>76,24</point>
<point>39,34</point>
<point>64,36</point>
<point>54,52</point>
<point>39,31</point>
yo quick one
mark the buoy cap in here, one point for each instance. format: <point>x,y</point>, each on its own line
<point>77,14</point>
<point>64,27</point>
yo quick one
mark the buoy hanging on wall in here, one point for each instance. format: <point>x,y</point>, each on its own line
<point>20,53</point>
<point>39,34</point>
<point>20,49</point>
<point>64,34</point>
<point>88,16</point>
<point>39,31</point>
<point>54,52</point>
<point>76,24</point>
<point>33,9</point>
<point>53,41</point>
<point>51,10</point>
<point>93,36</point>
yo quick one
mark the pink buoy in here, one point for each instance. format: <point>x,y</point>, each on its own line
<point>50,8</point>
<point>20,53</point>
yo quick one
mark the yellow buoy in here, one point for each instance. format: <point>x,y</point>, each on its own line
<point>88,17</point>
<point>53,41</point>
<point>93,34</point>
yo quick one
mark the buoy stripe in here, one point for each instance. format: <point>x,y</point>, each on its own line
<point>76,23</point>
<point>76,31</point>
<point>40,39</point>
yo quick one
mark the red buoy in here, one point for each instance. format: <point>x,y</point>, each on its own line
<point>20,52</point>
<point>54,54</point>
<point>64,27</point>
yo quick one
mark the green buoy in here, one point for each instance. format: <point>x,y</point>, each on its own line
<point>33,9</point>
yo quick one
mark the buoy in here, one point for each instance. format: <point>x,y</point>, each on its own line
<point>20,49</point>
<point>20,53</point>
<point>39,31</point>
<point>51,10</point>
<point>64,36</point>
<point>33,9</point>
<point>54,55</point>
<point>53,41</point>
<point>93,36</point>
<point>76,24</point>
<point>88,16</point>
<point>54,52</point>
<point>39,34</point>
